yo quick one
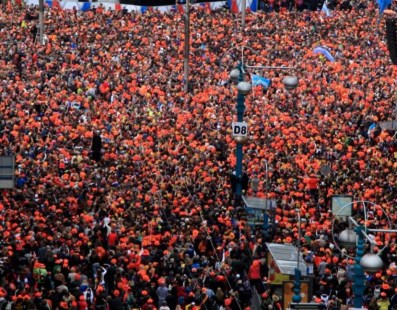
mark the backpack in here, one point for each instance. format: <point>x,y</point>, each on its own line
<point>130,300</point>
<point>181,300</point>
<point>43,305</point>
<point>19,306</point>
<point>247,287</point>
<point>3,304</point>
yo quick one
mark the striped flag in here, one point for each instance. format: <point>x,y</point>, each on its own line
<point>56,4</point>
<point>232,4</point>
<point>254,6</point>
<point>181,8</point>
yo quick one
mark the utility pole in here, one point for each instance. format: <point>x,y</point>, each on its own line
<point>243,11</point>
<point>186,48</point>
<point>41,21</point>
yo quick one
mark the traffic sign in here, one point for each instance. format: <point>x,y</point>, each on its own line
<point>325,169</point>
<point>239,129</point>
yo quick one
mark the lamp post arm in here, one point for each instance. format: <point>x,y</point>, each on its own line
<point>382,230</point>
<point>361,229</point>
<point>270,67</point>
<point>372,241</point>
<point>353,221</point>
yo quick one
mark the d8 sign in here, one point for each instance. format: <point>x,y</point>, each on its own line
<point>239,129</point>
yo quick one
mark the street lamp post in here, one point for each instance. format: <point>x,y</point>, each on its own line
<point>244,88</point>
<point>359,276</point>
<point>355,238</point>
<point>297,279</point>
<point>363,263</point>
<point>266,214</point>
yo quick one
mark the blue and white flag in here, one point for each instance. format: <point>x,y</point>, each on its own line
<point>325,52</point>
<point>85,7</point>
<point>383,4</point>
<point>260,80</point>
<point>326,10</point>
<point>371,128</point>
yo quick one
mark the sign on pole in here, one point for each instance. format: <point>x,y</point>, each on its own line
<point>256,208</point>
<point>342,205</point>
<point>7,172</point>
<point>325,169</point>
<point>391,125</point>
<point>239,129</point>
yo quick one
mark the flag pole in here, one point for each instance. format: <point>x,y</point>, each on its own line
<point>186,47</point>
<point>243,11</point>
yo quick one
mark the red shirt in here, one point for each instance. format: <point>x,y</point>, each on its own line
<point>311,183</point>
<point>254,272</point>
<point>112,239</point>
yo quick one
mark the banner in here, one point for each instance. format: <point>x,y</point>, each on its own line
<point>236,6</point>
<point>85,6</point>
<point>159,2</point>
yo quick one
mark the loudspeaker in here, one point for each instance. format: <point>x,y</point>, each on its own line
<point>391,38</point>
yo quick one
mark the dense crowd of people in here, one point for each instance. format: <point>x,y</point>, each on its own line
<point>123,197</point>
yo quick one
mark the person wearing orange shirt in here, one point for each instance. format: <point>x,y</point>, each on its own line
<point>312,183</point>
